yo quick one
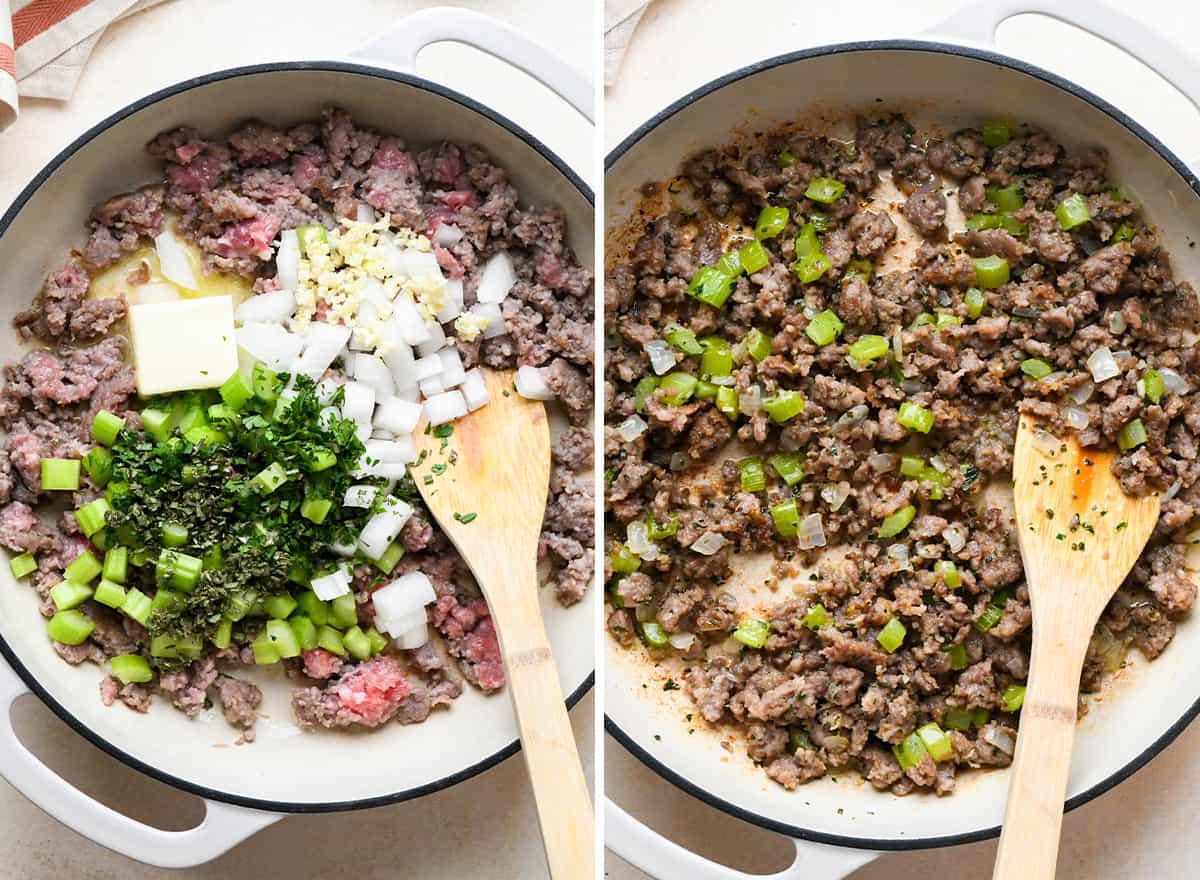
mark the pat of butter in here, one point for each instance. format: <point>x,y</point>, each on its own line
<point>183,345</point>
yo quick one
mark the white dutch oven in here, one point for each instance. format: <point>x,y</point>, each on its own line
<point>840,825</point>
<point>247,788</point>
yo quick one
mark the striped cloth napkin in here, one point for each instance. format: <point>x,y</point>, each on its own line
<point>44,45</point>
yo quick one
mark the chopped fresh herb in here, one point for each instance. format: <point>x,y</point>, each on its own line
<point>465,518</point>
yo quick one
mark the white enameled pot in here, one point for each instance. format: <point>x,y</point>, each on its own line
<point>249,787</point>
<point>951,78</point>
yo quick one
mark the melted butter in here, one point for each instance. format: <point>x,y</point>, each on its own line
<point>116,280</point>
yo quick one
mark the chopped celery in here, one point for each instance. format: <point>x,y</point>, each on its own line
<point>751,474</point>
<point>711,286</point>
<point>727,402</point>
<point>996,132</point>
<point>60,474</point>
<point>810,267</point>
<point>993,612</point>
<point>914,417</point>
<point>1013,697</point>
<point>786,518</point>
<point>357,643</point>
<point>957,719</point>
<point>910,752</point>
<point>789,466</point>
<point>137,605</point>
<point>677,388</point>
<point>1124,232</point>
<point>109,593</point>
<point>131,669</point>
<point>223,634</point>
<point>893,524</point>
<point>991,272</point>
<point>305,631</point>
<point>815,617</point>
<point>265,652</point>
<point>282,638</point>
<point>783,405</point>
<point>22,565</point>
<point>68,595</point>
<point>949,572</point>
<point>157,423</point>
<point>771,221</point>
<point>343,611</point>
<point>116,564</point>
<point>1132,435</point>
<point>377,639</point>
<point>973,299</point>
<point>645,386</point>
<point>937,744</point>
<point>310,235</point>
<point>824,327</point>
<point>868,348</point>
<point>83,569</point>
<point>1151,385</point>
<point>180,570</point>
<point>807,242</point>
<point>70,627</point>
<point>655,532</point>
<point>892,635</point>
<point>730,263</point>
<point>316,509</point>
<point>1036,368</point>
<point>236,391</point>
<point>717,359</point>
<point>91,516</point>
<point>1072,212</point>
<point>825,190</point>
<point>622,560</point>
<point>330,639</point>
<point>758,344</point>
<point>280,606</point>
<point>313,608</point>
<point>752,633</point>
<point>393,554</point>
<point>270,478</point>
<point>911,465</point>
<point>265,383</point>
<point>653,635</point>
<point>1005,198</point>
<point>174,535</point>
<point>106,426</point>
<point>753,257</point>
<point>958,657</point>
<point>683,339</point>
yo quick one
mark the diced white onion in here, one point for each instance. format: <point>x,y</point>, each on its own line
<point>1102,365</point>
<point>750,400</point>
<point>1172,381</point>
<point>431,386</point>
<point>411,639</point>
<point>327,416</point>
<point>382,528</point>
<point>495,319</point>
<point>174,261</point>
<point>1116,323</point>
<point>269,343</point>
<point>955,537</point>
<point>811,532</point>
<point>900,553</point>
<point>497,279</point>
<point>402,362</point>
<point>445,407</point>
<point>1000,739</point>
<point>367,315</point>
<point>453,372</point>
<point>632,428</point>
<point>1172,490</point>
<point>436,341</point>
<point>452,301</point>
<point>287,260</point>
<point>418,264</point>
<point>1082,392</point>
<point>405,597</point>
<point>362,431</point>
<point>682,641</point>
<point>709,543</point>
<point>374,372</point>
<point>364,213</point>
<point>852,417</point>
<point>531,385</point>
<point>323,343</point>
<point>389,450</point>
<point>397,416</point>
<point>882,462</point>
<point>1075,417</point>
<point>332,585</point>
<point>412,327</point>
<point>474,389</point>
<point>662,357</point>
<point>447,234</point>
<point>939,463</point>
<point>359,496</point>
<point>270,308</point>
<point>898,343</point>
<point>359,402</point>
<point>637,537</point>
<point>388,470</point>
<point>428,366</point>
<point>346,550</point>
<point>835,494</point>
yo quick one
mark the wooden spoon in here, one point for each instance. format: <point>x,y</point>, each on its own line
<point>485,483</point>
<point>1080,535</point>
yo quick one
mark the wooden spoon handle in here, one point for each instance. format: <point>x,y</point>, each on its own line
<point>547,741</point>
<point>1038,783</point>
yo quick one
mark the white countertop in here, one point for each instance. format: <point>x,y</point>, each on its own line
<point>1146,827</point>
<point>484,827</point>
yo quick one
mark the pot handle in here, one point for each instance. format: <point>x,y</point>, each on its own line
<point>659,857</point>
<point>399,47</point>
<point>977,23</point>
<point>223,827</point>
